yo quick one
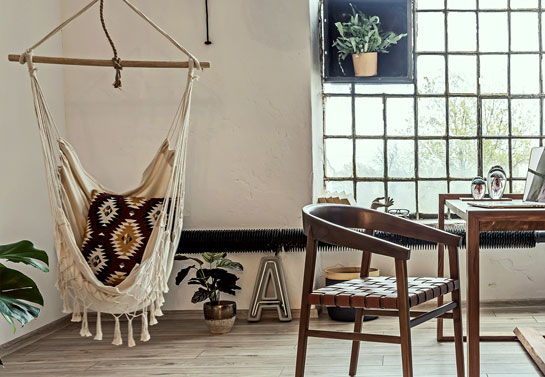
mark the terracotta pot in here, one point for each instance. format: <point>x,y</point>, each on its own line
<point>365,64</point>
<point>220,318</point>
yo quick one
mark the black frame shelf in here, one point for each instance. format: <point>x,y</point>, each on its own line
<point>396,67</point>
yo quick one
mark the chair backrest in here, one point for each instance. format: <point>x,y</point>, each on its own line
<point>335,223</point>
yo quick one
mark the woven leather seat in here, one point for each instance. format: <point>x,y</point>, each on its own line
<point>381,292</point>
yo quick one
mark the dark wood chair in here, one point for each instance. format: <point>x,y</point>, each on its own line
<point>383,296</point>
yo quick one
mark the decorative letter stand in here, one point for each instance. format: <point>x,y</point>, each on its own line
<point>270,270</point>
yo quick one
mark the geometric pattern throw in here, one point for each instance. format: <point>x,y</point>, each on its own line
<point>117,232</point>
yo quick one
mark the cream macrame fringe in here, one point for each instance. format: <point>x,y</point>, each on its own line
<point>69,189</point>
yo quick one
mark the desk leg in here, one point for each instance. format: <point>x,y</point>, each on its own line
<point>473,331</point>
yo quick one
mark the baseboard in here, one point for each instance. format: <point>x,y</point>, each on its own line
<point>33,336</point>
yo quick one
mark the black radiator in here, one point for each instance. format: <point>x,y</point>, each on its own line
<point>293,240</point>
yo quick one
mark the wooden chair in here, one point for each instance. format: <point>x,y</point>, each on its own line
<point>382,296</point>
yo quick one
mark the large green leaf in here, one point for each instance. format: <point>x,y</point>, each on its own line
<point>17,294</point>
<point>25,252</point>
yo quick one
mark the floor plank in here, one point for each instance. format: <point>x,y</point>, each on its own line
<point>182,346</point>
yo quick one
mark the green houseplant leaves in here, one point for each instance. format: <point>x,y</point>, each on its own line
<point>19,294</point>
<point>362,34</point>
<point>212,280</point>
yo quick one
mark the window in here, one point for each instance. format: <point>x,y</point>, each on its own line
<point>476,101</point>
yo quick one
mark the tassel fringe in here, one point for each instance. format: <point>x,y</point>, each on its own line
<point>98,335</point>
<point>152,319</point>
<point>130,335</point>
<point>117,333</point>
<point>85,325</point>
<point>144,334</point>
<point>65,303</point>
<point>76,315</point>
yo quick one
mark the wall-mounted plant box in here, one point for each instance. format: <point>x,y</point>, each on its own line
<point>396,16</point>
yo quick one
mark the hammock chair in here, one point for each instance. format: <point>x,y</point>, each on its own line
<point>70,190</point>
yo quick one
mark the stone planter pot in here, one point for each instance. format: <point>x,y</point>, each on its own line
<point>338,275</point>
<point>220,318</point>
<point>365,64</point>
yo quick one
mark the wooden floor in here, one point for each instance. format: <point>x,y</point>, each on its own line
<point>182,346</point>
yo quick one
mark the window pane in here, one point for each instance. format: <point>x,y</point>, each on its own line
<point>495,115</point>
<point>369,116</point>
<point>524,4</point>
<point>428,195</point>
<point>524,31</point>
<point>495,152</point>
<point>430,33</point>
<point>463,158</point>
<point>401,158</point>
<point>431,116</point>
<point>336,88</point>
<point>462,29</point>
<point>340,186</point>
<point>369,158</point>
<point>493,32</point>
<point>403,194</point>
<point>368,191</point>
<point>525,117</point>
<point>400,116</point>
<point>521,155</point>
<point>493,74</point>
<point>338,116</point>
<point>461,4</point>
<point>432,158</point>
<point>460,187</point>
<point>338,157</point>
<point>492,4</point>
<point>463,116</point>
<point>384,89</point>
<point>518,187</point>
<point>430,4</point>
<point>462,74</point>
<point>431,74</point>
<point>524,74</point>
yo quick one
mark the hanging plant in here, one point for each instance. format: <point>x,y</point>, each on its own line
<point>361,35</point>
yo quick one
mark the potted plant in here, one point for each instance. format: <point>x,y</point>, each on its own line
<point>19,294</point>
<point>363,37</point>
<point>213,278</point>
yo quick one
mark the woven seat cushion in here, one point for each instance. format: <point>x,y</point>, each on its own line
<point>381,292</point>
<point>117,232</point>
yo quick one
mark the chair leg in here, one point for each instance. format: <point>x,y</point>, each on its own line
<point>458,334</point>
<point>356,344</point>
<point>406,349</point>
<point>302,340</point>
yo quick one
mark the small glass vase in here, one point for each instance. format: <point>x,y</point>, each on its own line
<point>478,188</point>
<point>496,179</point>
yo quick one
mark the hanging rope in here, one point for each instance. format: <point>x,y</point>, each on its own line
<point>115,60</point>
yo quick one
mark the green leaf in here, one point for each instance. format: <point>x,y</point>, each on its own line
<point>183,257</point>
<point>16,292</point>
<point>227,263</point>
<point>213,257</point>
<point>200,295</point>
<point>182,274</point>
<point>25,252</point>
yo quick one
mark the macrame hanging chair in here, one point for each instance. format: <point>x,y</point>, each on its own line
<point>70,190</point>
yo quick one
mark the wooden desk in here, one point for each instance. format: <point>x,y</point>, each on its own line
<point>477,220</point>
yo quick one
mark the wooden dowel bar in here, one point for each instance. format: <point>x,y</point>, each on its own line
<point>107,63</point>
<point>433,314</point>
<point>395,313</point>
<point>354,336</point>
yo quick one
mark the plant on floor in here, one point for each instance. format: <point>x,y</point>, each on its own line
<point>19,294</point>
<point>361,35</point>
<point>214,279</point>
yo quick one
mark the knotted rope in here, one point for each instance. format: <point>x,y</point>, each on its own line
<point>115,60</point>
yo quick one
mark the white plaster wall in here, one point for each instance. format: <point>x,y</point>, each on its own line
<point>249,162</point>
<point>24,208</point>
